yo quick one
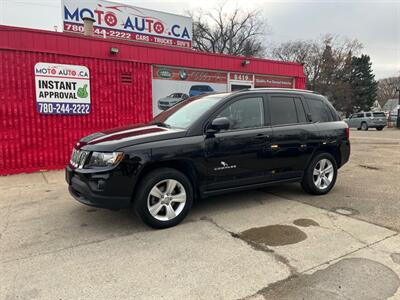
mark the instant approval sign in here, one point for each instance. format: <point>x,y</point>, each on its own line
<point>62,89</point>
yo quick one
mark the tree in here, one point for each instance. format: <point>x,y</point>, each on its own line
<point>363,83</point>
<point>237,32</point>
<point>311,54</point>
<point>387,89</point>
<point>344,91</point>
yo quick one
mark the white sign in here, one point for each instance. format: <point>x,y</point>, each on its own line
<point>127,22</point>
<point>62,89</point>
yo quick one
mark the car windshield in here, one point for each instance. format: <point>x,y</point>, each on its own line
<point>175,95</point>
<point>184,114</point>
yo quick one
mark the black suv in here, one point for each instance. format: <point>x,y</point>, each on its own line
<point>208,145</point>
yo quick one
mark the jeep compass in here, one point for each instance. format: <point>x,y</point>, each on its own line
<point>209,145</point>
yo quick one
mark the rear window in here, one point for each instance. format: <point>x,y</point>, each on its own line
<point>379,114</point>
<point>319,111</point>
<point>200,88</point>
<point>283,110</point>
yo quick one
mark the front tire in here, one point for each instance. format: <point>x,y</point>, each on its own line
<point>164,198</point>
<point>379,128</point>
<point>320,176</point>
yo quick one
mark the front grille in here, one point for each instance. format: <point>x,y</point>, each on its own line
<point>78,158</point>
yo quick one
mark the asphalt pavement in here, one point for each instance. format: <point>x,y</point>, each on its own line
<point>275,243</point>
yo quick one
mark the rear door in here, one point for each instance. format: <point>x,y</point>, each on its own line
<point>291,144</point>
<point>240,155</point>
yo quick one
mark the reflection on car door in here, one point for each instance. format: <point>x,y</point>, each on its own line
<point>292,137</point>
<point>240,155</point>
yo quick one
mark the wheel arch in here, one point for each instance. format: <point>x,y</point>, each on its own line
<point>182,165</point>
<point>332,150</point>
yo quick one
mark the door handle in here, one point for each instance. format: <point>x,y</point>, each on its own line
<point>262,136</point>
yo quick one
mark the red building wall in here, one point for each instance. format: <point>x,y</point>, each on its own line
<point>31,141</point>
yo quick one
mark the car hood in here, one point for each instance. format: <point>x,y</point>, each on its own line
<point>116,138</point>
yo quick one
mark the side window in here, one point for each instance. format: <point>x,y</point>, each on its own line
<point>300,111</point>
<point>244,113</point>
<point>283,110</point>
<point>360,115</point>
<point>368,114</point>
<point>319,111</point>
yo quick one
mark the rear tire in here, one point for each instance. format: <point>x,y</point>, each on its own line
<point>320,175</point>
<point>164,198</point>
<point>364,126</point>
<point>379,128</point>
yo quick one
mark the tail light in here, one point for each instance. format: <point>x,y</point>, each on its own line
<point>347,132</point>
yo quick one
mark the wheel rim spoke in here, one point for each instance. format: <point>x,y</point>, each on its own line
<point>322,164</point>
<point>155,209</point>
<point>179,198</point>
<point>155,191</point>
<point>170,212</point>
<point>318,182</point>
<point>171,184</point>
<point>328,169</point>
<point>326,180</point>
<point>316,172</point>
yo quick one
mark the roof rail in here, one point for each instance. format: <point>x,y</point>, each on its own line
<point>280,89</point>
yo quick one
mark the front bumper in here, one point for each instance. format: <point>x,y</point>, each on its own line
<point>99,189</point>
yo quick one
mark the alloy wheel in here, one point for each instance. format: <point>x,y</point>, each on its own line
<point>323,174</point>
<point>166,199</point>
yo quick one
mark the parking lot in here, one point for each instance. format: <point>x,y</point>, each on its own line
<point>274,243</point>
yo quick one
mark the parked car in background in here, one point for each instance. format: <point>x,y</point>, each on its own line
<point>209,145</point>
<point>171,100</point>
<point>197,90</point>
<point>366,120</point>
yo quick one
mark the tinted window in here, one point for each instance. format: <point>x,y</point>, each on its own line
<point>300,110</point>
<point>283,110</point>
<point>201,88</point>
<point>379,115</point>
<point>244,113</point>
<point>368,114</point>
<point>319,111</point>
<point>360,115</point>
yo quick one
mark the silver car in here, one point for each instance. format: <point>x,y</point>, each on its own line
<point>365,120</point>
<point>171,100</point>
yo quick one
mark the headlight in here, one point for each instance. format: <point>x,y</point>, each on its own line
<point>104,159</point>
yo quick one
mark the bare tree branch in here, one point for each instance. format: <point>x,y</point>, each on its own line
<point>235,32</point>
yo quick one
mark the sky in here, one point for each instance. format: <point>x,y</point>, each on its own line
<point>376,24</point>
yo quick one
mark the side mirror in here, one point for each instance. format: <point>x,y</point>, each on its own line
<point>219,124</point>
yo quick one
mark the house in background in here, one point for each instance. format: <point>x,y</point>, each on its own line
<point>391,108</point>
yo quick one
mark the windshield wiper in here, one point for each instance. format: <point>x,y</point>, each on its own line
<point>161,124</point>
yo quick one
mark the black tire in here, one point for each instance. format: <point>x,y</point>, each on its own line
<point>379,128</point>
<point>141,198</point>
<point>364,126</point>
<point>308,184</point>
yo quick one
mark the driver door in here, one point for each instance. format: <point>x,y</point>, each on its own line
<point>240,155</point>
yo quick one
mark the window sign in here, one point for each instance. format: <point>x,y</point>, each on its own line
<point>62,89</point>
